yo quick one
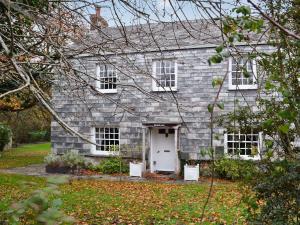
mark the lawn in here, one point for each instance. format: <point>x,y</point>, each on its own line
<point>107,202</point>
<point>24,155</point>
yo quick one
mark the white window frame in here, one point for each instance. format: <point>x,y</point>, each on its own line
<point>154,81</point>
<point>98,82</point>
<point>246,157</point>
<point>253,86</point>
<point>94,150</point>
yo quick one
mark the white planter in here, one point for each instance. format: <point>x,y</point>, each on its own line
<point>191,172</point>
<point>135,169</point>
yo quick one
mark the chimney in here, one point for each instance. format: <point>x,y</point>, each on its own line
<point>98,11</point>
<point>96,20</point>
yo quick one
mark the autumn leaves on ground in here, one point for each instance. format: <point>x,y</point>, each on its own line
<point>105,202</point>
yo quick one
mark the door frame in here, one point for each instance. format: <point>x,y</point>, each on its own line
<point>176,155</point>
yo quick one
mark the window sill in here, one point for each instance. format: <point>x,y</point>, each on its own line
<point>242,87</point>
<point>108,91</point>
<point>167,89</point>
<point>104,153</point>
<point>244,157</point>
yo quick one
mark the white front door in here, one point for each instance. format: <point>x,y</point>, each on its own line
<point>163,149</point>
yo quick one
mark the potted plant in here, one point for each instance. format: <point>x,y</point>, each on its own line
<point>191,170</point>
<point>71,162</point>
<point>136,168</point>
<point>54,164</point>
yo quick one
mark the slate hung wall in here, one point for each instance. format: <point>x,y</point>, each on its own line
<point>84,110</point>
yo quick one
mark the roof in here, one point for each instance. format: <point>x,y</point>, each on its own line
<point>151,37</point>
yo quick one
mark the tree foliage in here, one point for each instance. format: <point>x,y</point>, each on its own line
<point>27,124</point>
<point>277,110</point>
<point>5,135</point>
<point>41,207</point>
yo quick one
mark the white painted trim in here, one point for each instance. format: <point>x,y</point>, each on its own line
<point>225,144</point>
<point>177,162</point>
<point>94,150</point>
<point>108,91</point>
<point>97,76</point>
<point>104,91</point>
<point>154,82</point>
<point>150,152</point>
<point>242,87</point>
<point>105,153</point>
<point>144,148</point>
<point>245,157</point>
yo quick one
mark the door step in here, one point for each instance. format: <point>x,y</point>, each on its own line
<point>160,176</point>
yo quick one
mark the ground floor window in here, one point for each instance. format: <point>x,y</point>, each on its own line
<point>108,139</point>
<point>242,144</point>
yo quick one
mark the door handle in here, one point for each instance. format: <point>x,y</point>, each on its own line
<point>167,151</point>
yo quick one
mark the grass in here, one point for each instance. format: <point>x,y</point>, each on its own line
<point>107,202</point>
<point>24,155</point>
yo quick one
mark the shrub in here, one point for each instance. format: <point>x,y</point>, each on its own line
<point>112,165</point>
<point>73,160</point>
<point>277,188</point>
<point>235,169</point>
<point>206,169</point>
<point>70,160</point>
<point>53,160</point>
<point>5,134</point>
<point>38,136</point>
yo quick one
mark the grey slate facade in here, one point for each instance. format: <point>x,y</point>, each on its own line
<point>130,109</point>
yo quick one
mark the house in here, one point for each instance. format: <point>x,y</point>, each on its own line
<point>145,90</point>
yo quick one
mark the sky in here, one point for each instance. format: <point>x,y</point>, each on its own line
<point>158,10</point>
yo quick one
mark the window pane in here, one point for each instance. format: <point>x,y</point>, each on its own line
<point>248,151</point>
<point>238,65</point>
<point>107,77</point>
<point>242,151</point>
<point>108,138</point>
<point>242,143</point>
<point>165,73</point>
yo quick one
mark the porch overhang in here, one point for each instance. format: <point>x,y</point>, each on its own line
<point>162,124</point>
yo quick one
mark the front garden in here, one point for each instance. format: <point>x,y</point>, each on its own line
<point>107,202</point>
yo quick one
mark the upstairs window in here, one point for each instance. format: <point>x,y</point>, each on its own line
<point>106,79</point>
<point>108,140</point>
<point>164,75</point>
<point>242,73</point>
<point>246,146</point>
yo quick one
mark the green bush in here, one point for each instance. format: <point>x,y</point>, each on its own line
<point>112,165</point>
<point>278,188</point>
<point>5,134</point>
<point>235,169</point>
<point>38,136</point>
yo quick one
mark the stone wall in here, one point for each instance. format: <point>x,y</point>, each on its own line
<point>83,110</point>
